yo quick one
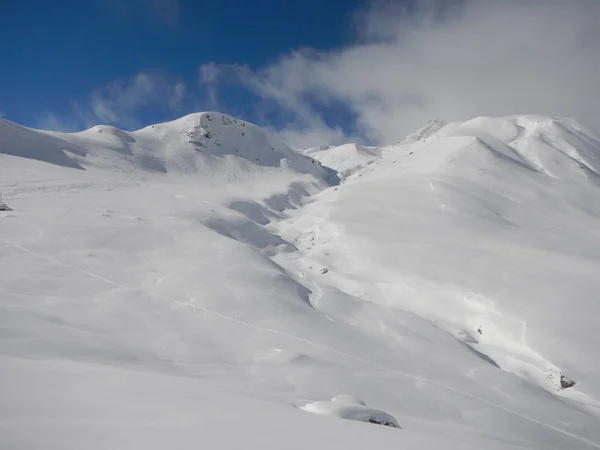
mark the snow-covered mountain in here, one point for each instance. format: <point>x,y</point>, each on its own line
<point>203,142</point>
<point>198,282</point>
<point>346,159</point>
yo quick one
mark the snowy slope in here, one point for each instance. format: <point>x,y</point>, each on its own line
<point>201,142</point>
<point>346,159</point>
<point>198,282</point>
<point>487,228</point>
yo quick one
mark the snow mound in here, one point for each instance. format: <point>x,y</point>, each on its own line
<point>16,140</point>
<point>349,407</point>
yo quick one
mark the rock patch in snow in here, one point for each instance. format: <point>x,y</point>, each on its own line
<point>4,206</point>
<point>565,382</point>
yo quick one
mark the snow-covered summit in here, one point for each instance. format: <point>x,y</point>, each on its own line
<point>220,135</point>
<point>556,148</point>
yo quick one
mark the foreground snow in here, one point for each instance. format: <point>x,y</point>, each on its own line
<point>198,283</point>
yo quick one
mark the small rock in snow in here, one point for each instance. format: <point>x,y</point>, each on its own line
<point>565,383</point>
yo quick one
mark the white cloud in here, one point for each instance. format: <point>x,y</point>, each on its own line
<point>453,60</point>
<point>480,57</point>
<point>214,78</point>
<point>209,73</point>
<point>312,136</point>
<point>121,103</point>
<point>209,78</point>
<point>307,129</point>
<point>51,121</point>
<point>177,95</point>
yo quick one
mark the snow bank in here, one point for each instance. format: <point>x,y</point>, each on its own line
<point>346,406</point>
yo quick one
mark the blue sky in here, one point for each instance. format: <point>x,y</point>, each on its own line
<point>60,52</point>
<point>314,71</point>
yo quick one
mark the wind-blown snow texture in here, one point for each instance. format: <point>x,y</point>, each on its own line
<point>199,283</point>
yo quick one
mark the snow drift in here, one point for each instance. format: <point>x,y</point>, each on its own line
<point>348,407</point>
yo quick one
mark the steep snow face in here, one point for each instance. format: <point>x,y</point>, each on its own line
<point>198,282</point>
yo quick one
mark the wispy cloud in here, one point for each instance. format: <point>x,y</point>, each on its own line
<point>159,12</point>
<point>304,127</point>
<point>120,103</point>
<point>51,121</point>
<point>210,76</point>
<point>477,57</point>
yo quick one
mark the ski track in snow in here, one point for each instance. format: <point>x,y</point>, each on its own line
<point>231,319</point>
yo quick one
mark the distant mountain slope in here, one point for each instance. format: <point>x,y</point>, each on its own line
<point>557,148</point>
<point>16,140</point>
<point>195,143</point>
<point>345,159</point>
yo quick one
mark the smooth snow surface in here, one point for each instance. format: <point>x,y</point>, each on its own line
<point>199,283</point>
